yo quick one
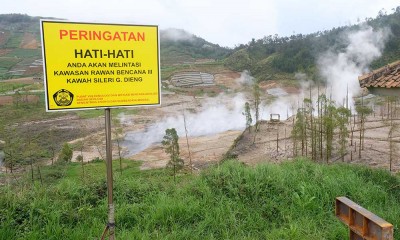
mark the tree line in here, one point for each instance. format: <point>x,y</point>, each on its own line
<point>298,53</point>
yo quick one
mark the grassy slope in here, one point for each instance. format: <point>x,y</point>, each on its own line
<point>11,114</point>
<point>289,201</point>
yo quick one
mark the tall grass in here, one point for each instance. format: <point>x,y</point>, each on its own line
<point>293,200</point>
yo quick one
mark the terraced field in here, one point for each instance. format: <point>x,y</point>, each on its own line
<point>19,49</point>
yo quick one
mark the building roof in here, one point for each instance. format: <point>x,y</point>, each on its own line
<point>384,77</point>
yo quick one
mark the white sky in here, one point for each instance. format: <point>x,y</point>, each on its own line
<point>225,22</point>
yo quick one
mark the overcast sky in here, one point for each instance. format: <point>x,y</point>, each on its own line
<point>225,22</point>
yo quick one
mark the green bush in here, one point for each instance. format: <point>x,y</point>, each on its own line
<point>65,154</point>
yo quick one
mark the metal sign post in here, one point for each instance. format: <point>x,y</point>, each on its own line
<point>111,222</point>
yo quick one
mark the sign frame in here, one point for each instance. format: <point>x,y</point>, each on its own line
<point>143,82</point>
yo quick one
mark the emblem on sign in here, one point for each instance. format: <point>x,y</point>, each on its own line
<point>63,97</point>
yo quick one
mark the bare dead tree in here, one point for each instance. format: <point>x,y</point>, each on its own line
<point>277,139</point>
<point>392,130</point>
<point>100,152</point>
<point>187,141</point>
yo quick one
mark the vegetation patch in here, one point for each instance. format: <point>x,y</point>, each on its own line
<point>293,200</point>
<point>25,53</point>
<point>6,87</point>
<point>8,62</point>
<point>94,113</point>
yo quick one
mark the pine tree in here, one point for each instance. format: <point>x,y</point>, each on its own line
<point>79,146</point>
<point>247,114</point>
<point>298,131</point>
<point>170,142</point>
<point>66,154</point>
<point>257,101</point>
<point>342,118</point>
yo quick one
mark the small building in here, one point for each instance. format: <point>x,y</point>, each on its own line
<point>383,81</point>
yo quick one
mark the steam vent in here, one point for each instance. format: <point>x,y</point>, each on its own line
<point>192,79</point>
<point>383,81</point>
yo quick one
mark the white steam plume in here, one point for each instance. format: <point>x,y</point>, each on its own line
<point>220,115</point>
<point>245,79</point>
<point>341,69</point>
<point>174,34</point>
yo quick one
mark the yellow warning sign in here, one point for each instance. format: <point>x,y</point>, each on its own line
<point>94,65</point>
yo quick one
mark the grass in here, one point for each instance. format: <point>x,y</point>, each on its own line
<point>167,71</point>
<point>14,40</point>
<point>86,114</point>
<point>17,57</point>
<point>293,200</point>
<point>6,87</point>
<point>32,111</point>
<point>26,112</point>
<point>25,53</point>
<point>8,62</point>
<point>3,71</point>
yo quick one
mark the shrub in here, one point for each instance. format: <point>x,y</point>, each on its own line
<point>65,154</point>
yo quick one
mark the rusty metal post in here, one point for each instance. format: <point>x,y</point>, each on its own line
<point>111,221</point>
<point>362,223</point>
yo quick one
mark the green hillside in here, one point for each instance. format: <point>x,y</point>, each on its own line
<point>179,46</point>
<point>20,47</point>
<point>292,200</point>
<point>271,56</point>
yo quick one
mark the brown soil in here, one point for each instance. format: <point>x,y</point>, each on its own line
<point>227,79</point>
<point>376,150</point>
<point>204,150</point>
<point>29,41</point>
<point>8,100</point>
<point>32,70</point>
<point>3,37</point>
<point>4,52</point>
<point>268,84</point>
<point>275,84</point>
